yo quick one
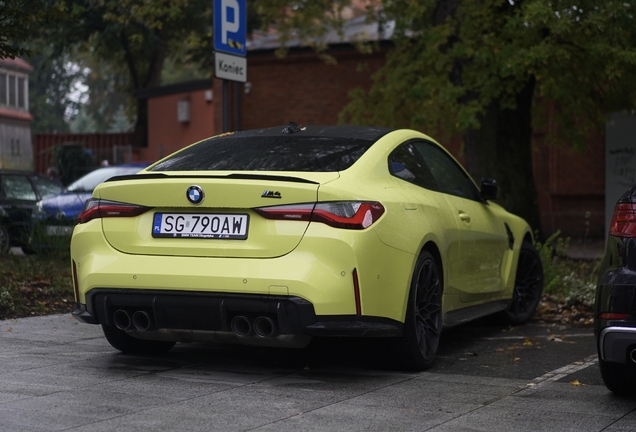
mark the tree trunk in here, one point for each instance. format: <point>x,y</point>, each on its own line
<point>502,149</point>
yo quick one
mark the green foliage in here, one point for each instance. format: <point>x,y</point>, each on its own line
<point>50,86</point>
<point>32,285</point>
<point>572,281</point>
<point>454,59</point>
<point>121,46</point>
<point>21,21</point>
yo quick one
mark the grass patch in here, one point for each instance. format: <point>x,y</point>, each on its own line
<point>35,285</point>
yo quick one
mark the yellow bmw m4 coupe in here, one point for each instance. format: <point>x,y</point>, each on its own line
<point>276,236</point>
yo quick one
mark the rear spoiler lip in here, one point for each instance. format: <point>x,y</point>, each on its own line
<point>230,176</point>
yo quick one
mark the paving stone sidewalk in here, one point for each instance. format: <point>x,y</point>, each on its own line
<point>58,374</point>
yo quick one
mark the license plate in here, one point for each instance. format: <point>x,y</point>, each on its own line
<point>58,231</point>
<point>208,226</point>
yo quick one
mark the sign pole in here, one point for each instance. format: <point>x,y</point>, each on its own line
<point>229,32</point>
<point>226,108</point>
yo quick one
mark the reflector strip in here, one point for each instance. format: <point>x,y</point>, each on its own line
<point>356,292</point>
<point>75,282</point>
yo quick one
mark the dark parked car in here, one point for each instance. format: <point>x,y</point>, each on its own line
<point>615,306</point>
<point>57,215</point>
<point>19,193</point>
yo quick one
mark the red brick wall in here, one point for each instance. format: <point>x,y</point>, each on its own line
<point>571,187</point>
<point>166,134</point>
<point>301,88</point>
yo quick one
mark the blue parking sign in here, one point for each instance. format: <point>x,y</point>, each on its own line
<point>230,26</point>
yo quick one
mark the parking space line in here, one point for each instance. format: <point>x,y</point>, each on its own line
<point>564,335</point>
<point>564,371</point>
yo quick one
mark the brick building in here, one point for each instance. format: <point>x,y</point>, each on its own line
<point>15,120</point>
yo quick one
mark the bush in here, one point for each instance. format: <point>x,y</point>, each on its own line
<point>572,282</point>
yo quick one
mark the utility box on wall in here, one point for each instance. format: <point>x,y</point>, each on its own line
<point>620,160</point>
<point>183,111</point>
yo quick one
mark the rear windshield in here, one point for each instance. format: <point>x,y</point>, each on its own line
<point>268,153</point>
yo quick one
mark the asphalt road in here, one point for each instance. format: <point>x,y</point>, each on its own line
<point>57,374</point>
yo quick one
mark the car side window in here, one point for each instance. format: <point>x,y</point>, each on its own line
<point>449,176</point>
<point>406,163</point>
<point>18,187</point>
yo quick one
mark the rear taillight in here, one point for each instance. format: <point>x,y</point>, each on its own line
<point>97,208</point>
<point>338,214</point>
<point>613,316</point>
<point>624,220</point>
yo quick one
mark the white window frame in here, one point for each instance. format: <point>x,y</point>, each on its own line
<point>16,77</point>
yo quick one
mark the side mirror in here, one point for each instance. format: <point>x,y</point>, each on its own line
<point>489,189</point>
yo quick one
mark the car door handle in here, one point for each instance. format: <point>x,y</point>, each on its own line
<point>465,217</point>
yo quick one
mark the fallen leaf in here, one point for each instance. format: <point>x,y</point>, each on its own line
<point>527,342</point>
<point>9,330</point>
<point>517,359</point>
<point>577,383</point>
<point>500,350</point>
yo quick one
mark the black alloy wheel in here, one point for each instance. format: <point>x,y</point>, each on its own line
<point>528,286</point>
<point>417,348</point>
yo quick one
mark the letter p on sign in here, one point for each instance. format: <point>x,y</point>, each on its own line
<point>229,18</point>
<point>230,26</point>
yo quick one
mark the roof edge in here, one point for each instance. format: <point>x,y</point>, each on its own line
<point>183,87</point>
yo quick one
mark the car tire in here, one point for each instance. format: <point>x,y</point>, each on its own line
<point>528,287</point>
<point>5,241</point>
<point>619,378</point>
<point>125,343</point>
<point>417,347</point>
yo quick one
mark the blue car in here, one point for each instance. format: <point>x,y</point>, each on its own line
<point>55,216</point>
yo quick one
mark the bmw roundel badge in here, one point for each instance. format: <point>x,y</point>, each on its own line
<point>195,194</point>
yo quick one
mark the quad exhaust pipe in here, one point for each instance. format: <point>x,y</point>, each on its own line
<point>139,320</point>
<point>262,326</point>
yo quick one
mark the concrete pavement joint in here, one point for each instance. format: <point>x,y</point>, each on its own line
<point>334,403</point>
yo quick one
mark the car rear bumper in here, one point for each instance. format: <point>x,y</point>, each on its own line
<point>322,270</point>
<point>215,312</point>
<point>617,344</point>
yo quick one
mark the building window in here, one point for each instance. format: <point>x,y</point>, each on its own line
<point>12,90</point>
<point>21,92</point>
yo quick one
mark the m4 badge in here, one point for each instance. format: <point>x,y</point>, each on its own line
<point>271,194</point>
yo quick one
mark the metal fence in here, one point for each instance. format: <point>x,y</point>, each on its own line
<point>115,148</point>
